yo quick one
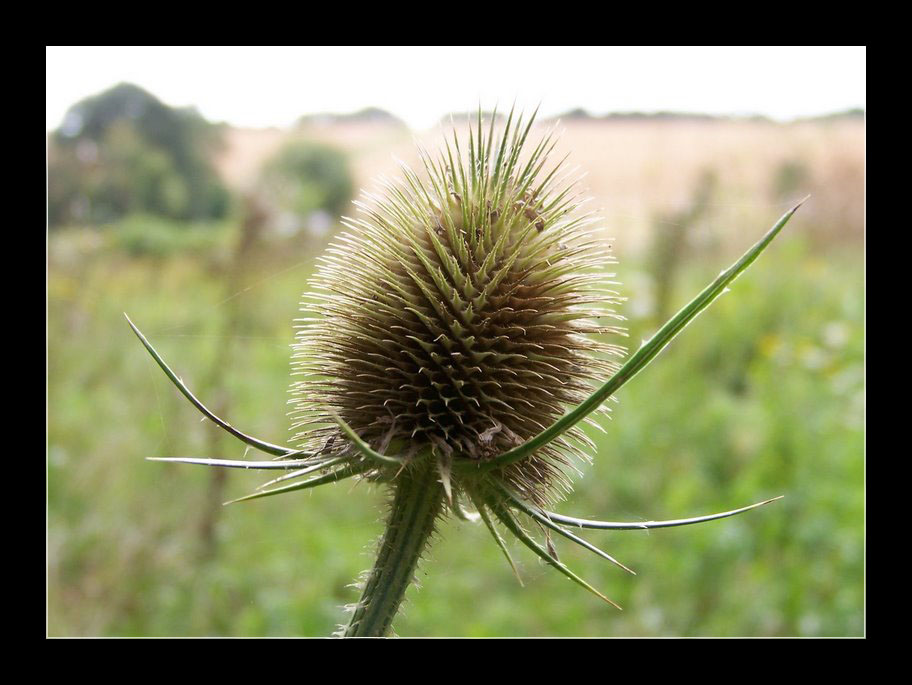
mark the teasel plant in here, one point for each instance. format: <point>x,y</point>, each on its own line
<point>459,334</point>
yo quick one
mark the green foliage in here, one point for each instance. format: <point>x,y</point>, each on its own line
<point>306,177</point>
<point>763,396</point>
<point>123,152</point>
<point>146,235</point>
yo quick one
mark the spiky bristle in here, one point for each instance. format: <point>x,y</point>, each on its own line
<point>456,315</point>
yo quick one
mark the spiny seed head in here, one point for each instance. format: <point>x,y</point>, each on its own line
<point>455,318</point>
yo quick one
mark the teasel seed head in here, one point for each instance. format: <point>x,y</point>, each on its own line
<point>461,313</point>
<point>453,327</point>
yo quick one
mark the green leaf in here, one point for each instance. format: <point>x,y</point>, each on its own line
<point>643,356</point>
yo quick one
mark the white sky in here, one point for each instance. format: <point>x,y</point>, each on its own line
<point>261,87</point>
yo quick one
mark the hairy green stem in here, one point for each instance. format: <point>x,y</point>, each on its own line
<point>416,504</point>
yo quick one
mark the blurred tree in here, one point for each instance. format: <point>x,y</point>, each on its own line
<point>125,151</point>
<point>307,180</point>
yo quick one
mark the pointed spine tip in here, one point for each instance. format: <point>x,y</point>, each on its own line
<point>801,202</point>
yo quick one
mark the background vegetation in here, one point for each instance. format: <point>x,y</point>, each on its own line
<point>763,395</point>
<point>123,151</point>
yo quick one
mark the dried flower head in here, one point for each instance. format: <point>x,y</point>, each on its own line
<point>455,330</point>
<point>455,319</point>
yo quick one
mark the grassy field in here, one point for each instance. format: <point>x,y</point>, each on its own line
<point>763,395</point>
<point>637,169</point>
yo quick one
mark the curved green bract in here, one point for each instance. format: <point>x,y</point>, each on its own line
<point>331,477</point>
<point>497,538</point>
<point>362,446</point>
<point>513,526</point>
<point>319,466</point>
<point>646,525</point>
<point>239,463</point>
<point>261,445</point>
<point>538,515</point>
<point>642,357</point>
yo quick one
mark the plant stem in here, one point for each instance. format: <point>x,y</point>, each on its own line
<point>416,503</point>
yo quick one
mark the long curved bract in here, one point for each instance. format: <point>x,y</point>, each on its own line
<point>261,445</point>
<point>643,356</point>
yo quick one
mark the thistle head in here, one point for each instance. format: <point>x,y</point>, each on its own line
<point>454,333</point>
<point>462,312</point>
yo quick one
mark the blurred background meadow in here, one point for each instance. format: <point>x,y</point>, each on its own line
<point>205,229</point>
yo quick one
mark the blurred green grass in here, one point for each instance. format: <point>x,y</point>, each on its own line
<point>763,395</point>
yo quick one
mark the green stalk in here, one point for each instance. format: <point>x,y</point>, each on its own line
<point>416,504</point>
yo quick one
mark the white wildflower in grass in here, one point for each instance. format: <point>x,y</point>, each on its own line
<point>458,332</point>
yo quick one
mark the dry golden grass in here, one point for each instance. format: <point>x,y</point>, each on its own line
<point>640,171</point>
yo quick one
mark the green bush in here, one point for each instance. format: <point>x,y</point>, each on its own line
<point>307,177</point>
<point>151,236</point>
<point>123,152</point>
